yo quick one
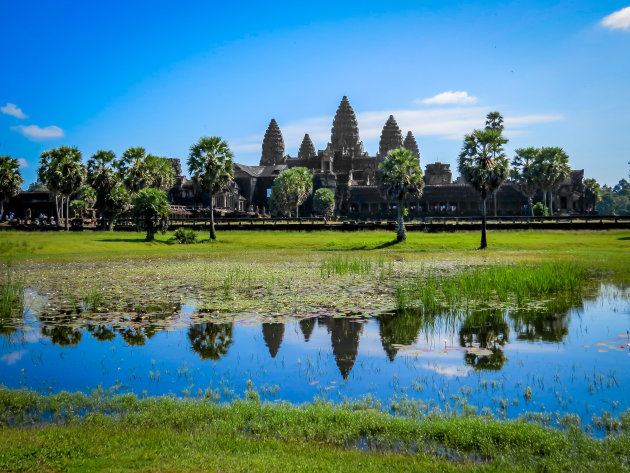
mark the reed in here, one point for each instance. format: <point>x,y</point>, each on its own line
<point>11,295</point>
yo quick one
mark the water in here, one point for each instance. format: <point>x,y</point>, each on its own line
<point>573,360</point>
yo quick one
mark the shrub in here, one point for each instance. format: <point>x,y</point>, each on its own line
<point>185,237</point>
<point>540,210</point>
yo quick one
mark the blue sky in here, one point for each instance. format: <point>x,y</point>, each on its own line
<point>115,74</point>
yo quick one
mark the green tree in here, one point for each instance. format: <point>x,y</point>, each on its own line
<point>551,168</point>
<point>593,192</point>
<point>494,121</point>
<point>36,186</point>
<point>78,206</point>
<point>103,176</point>
<point>140,170</point>
<point>615,200</point>
<point>10,180</point>
<point>290,189</point>
<point>401,177</point>
<point>150,207</point>
<point>483,164</point>
<point>116,202</point>
<point>211,168</point>
<point>324,202</point>
<point>523,172</point>
<point>62,170</point>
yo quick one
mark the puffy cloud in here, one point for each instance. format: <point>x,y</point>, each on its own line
<point>449,97</point>
<point>13,110</point>
<point>36,133</point>
<point>619,20</point>
<point>450,123</point>
<point>22,163</point>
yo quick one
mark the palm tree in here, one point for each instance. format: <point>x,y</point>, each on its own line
<point>483,164</point>
<point>102,176</point>
<point>63,172</point>
<point>551,168</point>
<point>151,208</point>
<point>10,180</point>
<point>140,170</point>
<point>524,174</point>
<point>211,168</point>
<point>401,177</point>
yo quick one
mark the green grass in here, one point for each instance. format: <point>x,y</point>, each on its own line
<point>506,285</point>
<point>98,433</point>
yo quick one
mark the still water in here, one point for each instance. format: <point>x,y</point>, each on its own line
<point>574,359</point>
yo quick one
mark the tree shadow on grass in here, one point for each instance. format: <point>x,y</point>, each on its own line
<point>136,240</point>
<point>623,238</point>
<point>362,247</point>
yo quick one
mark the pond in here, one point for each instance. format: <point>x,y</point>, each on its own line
<point>570,359</point>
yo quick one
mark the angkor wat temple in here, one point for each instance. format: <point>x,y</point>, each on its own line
<point>352,174</point>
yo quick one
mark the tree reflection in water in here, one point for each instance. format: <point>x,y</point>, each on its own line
<point>273,334</point>
<point>399,328</point>
<point>102,333</point>
<point>488,330</point>
<point>209,340</point>
<point>549,323</point>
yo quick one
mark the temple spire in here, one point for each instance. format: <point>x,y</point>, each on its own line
<point>411,145</point>
<point>345,129</point>
<point>307,150</point>
<point>273,146</point>
<point>391,137</point>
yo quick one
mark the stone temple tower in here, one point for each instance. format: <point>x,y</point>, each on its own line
<point>391,137</point>
<point>345,129</point>
<point>307,150</point>
<point>411,145</point>
<point>273,146</point>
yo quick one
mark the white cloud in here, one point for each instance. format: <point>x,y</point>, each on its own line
<point>449,97</point>
<point>619,20</point>
<point>22,163</point>
<point>447,123</point>
<point>13,110</point>
<point>36,133</point>
<point>12,358</point>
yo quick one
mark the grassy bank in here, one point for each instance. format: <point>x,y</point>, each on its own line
<point>124,433</point>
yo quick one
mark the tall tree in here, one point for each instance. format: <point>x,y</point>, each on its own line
<point>551,168</point>
<point>10,180</point>
<point>483,164</point>
<point>324,202</point>
<point>290,189</point>
<point>151,208</point>
<point>494,120</point>
<point>104,178</point>
<point>400,178</point>
<point>523,172</point>
<point>211,168</point>
<point>140,170</point>
<point>593,192</point>
<point>63,172</point>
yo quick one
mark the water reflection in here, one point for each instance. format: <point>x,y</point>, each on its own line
<point>210,340</point>
<point>489,331</point>
<point>307,326</point>
<point>400,328</point>
<point>273,334</point>
<point>344,336</point>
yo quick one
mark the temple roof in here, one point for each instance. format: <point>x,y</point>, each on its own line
<point>307,150</point>
<point>273,146</point>
<point>411,144</point>
<point>345,129</point>
<point>391,137</point>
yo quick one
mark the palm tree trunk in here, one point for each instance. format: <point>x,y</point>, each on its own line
<point>57,208</point>
<point>1,207</point>
<point>402,234</point>
<point>550,203</point>
<point>484,241</point>
<point>297,210</point>
<point>67,208</point>
<point>213,235</point>
<point>530,202</point>
<point>494,199</point>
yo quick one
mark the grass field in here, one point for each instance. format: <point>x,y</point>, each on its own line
<point>170,435</point>
<point>297,270</point>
